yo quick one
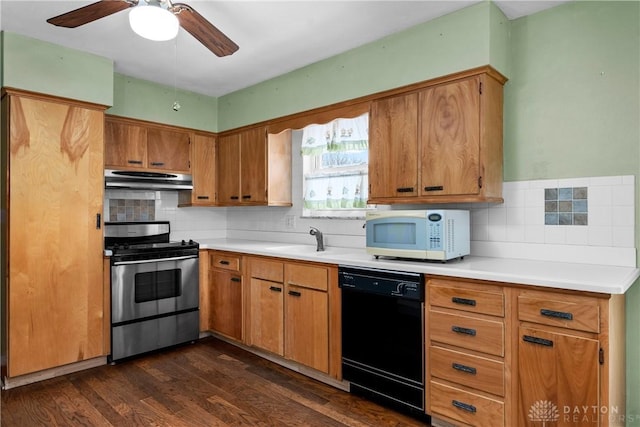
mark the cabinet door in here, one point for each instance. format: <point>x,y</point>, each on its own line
<point>307,327</point>
<point>557,372</point>
<point>267,315</point>
<point>125,145</point>
<point>168,150</point>
<point>55,292</point>
<point>450,138</point>
<point>226,303</point>
<point>203,170</point>
<point>253,164</point>
<point>393,147</point>
<point>227,170</point>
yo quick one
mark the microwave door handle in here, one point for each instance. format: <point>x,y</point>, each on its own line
<point>146,261</point>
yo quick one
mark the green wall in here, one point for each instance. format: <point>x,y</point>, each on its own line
<point>145,100</point>
<point>44,67</point>
<point>451,43</point>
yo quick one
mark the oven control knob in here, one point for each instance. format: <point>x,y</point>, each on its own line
<point>401,289</point>
<point>191,242</point>
<point>183,243</point>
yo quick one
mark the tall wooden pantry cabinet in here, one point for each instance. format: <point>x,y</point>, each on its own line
<point>52,284</point>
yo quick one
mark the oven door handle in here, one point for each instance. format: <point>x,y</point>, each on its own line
<point>146,261</point>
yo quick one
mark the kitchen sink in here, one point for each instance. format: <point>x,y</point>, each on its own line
<point>308,250</point>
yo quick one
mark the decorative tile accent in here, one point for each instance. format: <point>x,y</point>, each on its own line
<point>566,206</point>
<point>121,210</point>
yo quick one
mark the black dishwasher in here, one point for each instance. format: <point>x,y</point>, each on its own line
<point>383,335</point>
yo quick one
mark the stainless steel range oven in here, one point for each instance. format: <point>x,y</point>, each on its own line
<point>383,336</point>
<point>154,288</point>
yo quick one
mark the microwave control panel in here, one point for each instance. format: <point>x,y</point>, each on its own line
<point>435,229</point>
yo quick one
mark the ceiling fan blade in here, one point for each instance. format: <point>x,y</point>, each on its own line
<point>196,25</point>
<point>91,12</point>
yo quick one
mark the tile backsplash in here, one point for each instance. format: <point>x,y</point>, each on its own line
<point>566,206</point>
<point>132,210</point>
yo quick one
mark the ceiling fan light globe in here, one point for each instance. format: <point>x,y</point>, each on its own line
<point>154,22</point>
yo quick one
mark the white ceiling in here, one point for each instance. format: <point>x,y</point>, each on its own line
<point>275,37</point>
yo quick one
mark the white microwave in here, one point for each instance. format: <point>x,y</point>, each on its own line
<point>440,234</point>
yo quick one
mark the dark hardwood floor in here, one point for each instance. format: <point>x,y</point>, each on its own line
<point>210,383</point>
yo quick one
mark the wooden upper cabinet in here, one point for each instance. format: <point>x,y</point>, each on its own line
<point>439,143</point>
<point>203,169</point>
<point>168,150</point>
<point>125,145</point>
<point>253,168</point>
<point>136,144</point>
<point>393,147</point>
<point>450,136</point>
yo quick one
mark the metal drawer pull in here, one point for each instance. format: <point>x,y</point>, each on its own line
<point>203,197</point>
<point>536,340</point>
<point>157,163</point>
<point>275,288</point>
<point>295,293</point>
<point>464,368</point>
<point>134,162</point>
<point>405,190</point>
<point>224,262</point>
<point>434,188</point>
<point>466,331</point>
<point>464,406</point>
<point>234,197</point>
<point>463,301</point>
<point>556,314</point>
<point>246,196</point>
<point>235,279</point>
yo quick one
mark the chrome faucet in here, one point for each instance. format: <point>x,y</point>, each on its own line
<point>315,232</point>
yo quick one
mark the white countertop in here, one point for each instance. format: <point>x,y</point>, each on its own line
<point>572,276</point>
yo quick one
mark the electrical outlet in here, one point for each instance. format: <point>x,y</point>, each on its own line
<point>290,221</point>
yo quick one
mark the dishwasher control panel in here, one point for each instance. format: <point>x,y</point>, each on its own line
<point>382,282</point>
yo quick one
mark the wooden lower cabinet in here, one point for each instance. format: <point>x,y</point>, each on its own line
<point>499,354</point>
<point>226,294</point>
<point>289,312</point>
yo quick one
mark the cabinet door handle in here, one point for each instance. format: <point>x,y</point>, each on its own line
<point>295,293</point>
<point>464,406</point>
<point>134,162</point>
<point>556,314</point>
<point>223,262</point>
<point>234,197</point>
<point>275,288</point>
<point>246,196</point>
<point>98,221</point>
<point>434,188</point>
<point>466,331</point>
<point>157,163</point>
<point>536,340</point>
<point>404,190</point>
<point>235,279</point>
<point>463,301</point>
<point>203,197</point>
<point>464,368</point>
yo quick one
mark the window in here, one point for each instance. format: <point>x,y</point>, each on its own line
<point>335,168</point>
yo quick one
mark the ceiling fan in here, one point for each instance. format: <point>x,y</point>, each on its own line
<point>194,23</point>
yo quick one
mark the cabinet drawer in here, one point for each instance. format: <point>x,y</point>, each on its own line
<point>578,315</point>
<point>469,408</point>
<point>307,276</point>
<point>272,271</point>
<point>224,261</point>
<point>446,294</point>
<point>473,371</point>
<point>482,335</point>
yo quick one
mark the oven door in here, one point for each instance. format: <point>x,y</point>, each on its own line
<point>147,288</point>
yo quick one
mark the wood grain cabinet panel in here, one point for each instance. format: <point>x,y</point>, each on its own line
<point>577,315</point>
<point>438,144</point>
<point>467,332</point>
<point>226,294</point>
<point>469,408</point>
<point>54,285</point>
<point>138,144</point>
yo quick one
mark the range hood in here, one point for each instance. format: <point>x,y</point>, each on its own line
<point>142,180</point>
